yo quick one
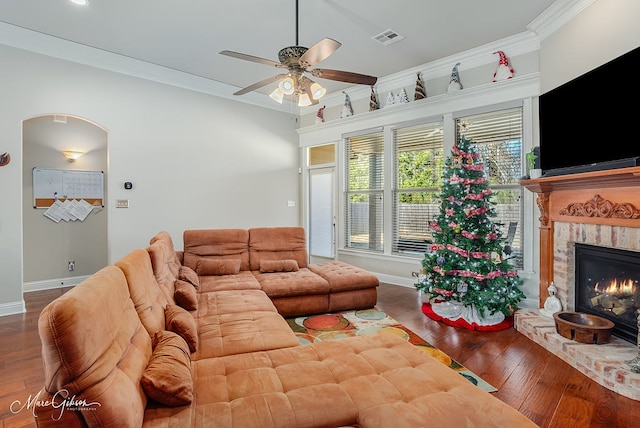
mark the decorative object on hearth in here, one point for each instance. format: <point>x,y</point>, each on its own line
<point>347,110</point>
<point>634,363</point>
<point>420,92</point>
<point>5,158</point>
<point>297,60</point>
<point>373,100</point>
<point>469,284</point>
<point>583,328</point>
<point>320,115</point>
<point>454,83</point>
<point>504,70</point>
<point>552,304</point>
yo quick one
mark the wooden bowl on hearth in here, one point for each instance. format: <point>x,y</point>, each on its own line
<point>583,328</point>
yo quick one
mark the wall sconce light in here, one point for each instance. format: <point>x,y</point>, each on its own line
<point>72,155</point>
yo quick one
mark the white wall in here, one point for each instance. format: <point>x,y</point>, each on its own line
<point>196,161</point>
<point>601,32</point>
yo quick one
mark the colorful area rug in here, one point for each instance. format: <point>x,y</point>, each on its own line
<point>368,322</point>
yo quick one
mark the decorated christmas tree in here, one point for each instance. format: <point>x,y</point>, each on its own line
<point>464,272</point>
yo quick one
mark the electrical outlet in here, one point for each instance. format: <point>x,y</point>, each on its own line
<point>71,266</point>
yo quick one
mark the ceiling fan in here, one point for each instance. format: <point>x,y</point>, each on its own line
<point>297,60</point>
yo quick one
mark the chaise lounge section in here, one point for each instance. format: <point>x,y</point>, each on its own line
<point>124,345</point>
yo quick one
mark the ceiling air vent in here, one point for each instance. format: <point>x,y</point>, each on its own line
<point>388,37</point>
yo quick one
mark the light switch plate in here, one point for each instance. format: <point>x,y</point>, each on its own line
<point>122,203</point>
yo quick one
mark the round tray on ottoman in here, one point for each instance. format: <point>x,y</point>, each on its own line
<point>583,328</point>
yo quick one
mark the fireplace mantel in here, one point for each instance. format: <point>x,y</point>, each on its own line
<point>610,197</point>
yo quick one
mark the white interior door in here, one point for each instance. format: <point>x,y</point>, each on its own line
<point>321,212</point>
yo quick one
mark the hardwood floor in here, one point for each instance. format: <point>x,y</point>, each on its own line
<point>528,377</point>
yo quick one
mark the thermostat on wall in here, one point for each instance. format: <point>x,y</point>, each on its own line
<point>128,185</point>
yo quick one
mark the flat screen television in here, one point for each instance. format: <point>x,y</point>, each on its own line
<point>591,122</point>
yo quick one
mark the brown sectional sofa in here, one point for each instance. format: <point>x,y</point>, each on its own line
<point>119,350</point>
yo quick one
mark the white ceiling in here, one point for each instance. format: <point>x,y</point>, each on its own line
<point>187,36</point>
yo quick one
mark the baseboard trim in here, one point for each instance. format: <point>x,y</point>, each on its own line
<point>12,308</point>
<point>396,280</point>
<point>49,284</point>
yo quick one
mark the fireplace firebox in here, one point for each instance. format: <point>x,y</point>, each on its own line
<point>608,285</point>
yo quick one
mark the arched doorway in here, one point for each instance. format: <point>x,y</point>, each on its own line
<point>49,245</point>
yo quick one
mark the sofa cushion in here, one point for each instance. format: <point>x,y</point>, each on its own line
<point>95,347</point>
<point>205,266</point>
<point>172,257</point>
<point>267,266</point>
<point>277,243</point>
<point>165,270</point>
<point>167,378</point>
<point>182,323</point>
<point>283,284</point>
<point>186,295</point>
<point>343,276</point>
<point>189,275</point>
<point>244,280</point>
<point>216,244</point>
<point>147,297</point>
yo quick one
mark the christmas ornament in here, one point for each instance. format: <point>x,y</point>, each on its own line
<point>320,115</point>
<point>454,82</point>
<point>373,101</point>
<point>504,70</point>
<point>420,91</point>
<point>347,110</point>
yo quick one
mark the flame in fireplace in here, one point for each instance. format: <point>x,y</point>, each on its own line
<point>617,287</point>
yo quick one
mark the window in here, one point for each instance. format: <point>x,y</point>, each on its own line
<point>364,198</point>
<point>498,136</point>
<point>418,167</point>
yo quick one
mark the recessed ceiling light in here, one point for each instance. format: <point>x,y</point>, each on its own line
<point>80,2</point>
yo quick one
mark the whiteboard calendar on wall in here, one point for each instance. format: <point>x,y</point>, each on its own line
<point>50,185</point>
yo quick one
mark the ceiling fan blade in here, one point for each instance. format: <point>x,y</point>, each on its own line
<point>319,52</point>
<point>344,76</point>
<point>260,84</point>
<point>251,58</point>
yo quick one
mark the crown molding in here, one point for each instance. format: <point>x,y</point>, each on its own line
<point>557,15</point>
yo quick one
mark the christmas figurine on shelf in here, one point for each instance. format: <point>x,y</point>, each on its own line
<point>454,81</point>
<point>504,70</point>
<point>320,115</point>
<point>373,101</point>
<point>468,282</point>
<point>390,99</point>
<point>347,110</point>
<point>403,98</point>
<point>420,92</point>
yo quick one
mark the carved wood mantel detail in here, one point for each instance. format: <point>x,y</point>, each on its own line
<point>556,200</point>
<point>600,207</point>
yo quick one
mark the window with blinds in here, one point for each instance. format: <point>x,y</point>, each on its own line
<point>418,167</point>
<point>498,138</point>
<point>364,198</point>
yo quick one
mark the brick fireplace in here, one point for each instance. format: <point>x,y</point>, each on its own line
<point>601,209</point>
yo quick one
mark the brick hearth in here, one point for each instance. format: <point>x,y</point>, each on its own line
<point>597,208</point>
<point>602,363</point>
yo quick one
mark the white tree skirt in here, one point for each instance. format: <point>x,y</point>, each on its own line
<point>454,311</point>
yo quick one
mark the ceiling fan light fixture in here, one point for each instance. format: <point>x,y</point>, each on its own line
<point>317,91</point>
<point>287,85</point>
<point>303,100</point>
<point>277,95</point>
